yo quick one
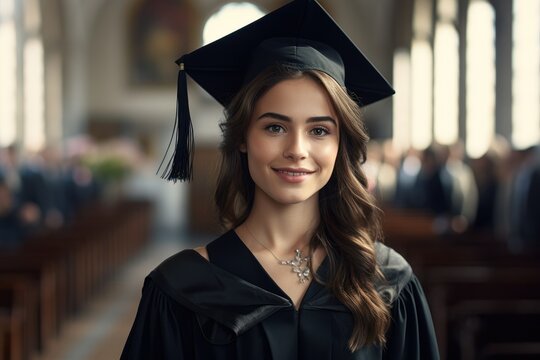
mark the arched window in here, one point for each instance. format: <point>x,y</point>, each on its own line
<point>480,77</point>
<point>8,73</point>
<point>422,76</point>
<point>402,100</point>
<point>22,109</point>
<point>526,73</point>
<point>33,74</point>
<point>229,18</point>
<point>422,94</point>
<point>446,72</point>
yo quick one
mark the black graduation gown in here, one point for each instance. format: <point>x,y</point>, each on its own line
<point>230,308</point>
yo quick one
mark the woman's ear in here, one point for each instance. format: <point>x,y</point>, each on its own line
<point>242,148</point>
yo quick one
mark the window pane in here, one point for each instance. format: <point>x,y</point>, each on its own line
<point>34,122</point>
<point>7,8</point>
<point>480,78</point>
<point>526,74</point>
<point>229,18</point>
<point>446,84</point>
<point>8,83</point>
<point>422,94</point>
<point>447,10</point>
<point>401,130</point>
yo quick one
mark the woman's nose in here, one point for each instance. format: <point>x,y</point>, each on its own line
<point>296,148</point>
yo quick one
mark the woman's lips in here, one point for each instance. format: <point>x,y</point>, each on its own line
<point>293,175</point>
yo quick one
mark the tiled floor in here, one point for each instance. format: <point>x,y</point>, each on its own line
<point>100,330</point>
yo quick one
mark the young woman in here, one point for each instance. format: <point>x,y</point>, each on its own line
<point>300,273</point>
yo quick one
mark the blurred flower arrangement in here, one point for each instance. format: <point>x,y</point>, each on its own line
<point>111,163</point>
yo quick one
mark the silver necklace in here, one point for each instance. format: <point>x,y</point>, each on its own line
<point>296,263</point>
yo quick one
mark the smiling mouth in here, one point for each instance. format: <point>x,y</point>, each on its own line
<point>294,172</point>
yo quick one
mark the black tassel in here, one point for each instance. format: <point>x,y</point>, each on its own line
<point>180,165</point>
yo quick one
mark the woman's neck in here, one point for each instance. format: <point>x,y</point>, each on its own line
<point>282,228</point>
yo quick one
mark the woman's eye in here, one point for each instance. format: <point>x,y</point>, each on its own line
<point>319,131</point>
<point>275,129</point>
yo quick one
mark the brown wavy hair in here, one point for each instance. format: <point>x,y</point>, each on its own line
<point>349,221</point>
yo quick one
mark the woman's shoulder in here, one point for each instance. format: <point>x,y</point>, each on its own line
<point>389,259</point>
<point>396,271</point>
<point>183,262</point>
<point>221,243</point>
<point>188,264</point>
<point>201,250</point>
<point>187,259</point>
<point>182,271</point>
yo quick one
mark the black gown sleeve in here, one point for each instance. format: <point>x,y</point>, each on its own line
<point>157,332</point>
<point>411,335</point>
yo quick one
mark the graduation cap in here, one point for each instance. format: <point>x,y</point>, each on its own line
<point>301,35</point>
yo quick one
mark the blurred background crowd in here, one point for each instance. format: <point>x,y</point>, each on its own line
<point>45,190</point>
<point>497,193</point>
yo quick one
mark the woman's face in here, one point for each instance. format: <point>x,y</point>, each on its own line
<point>292,141</point>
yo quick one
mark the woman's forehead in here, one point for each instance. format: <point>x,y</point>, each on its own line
<point>302,96</point>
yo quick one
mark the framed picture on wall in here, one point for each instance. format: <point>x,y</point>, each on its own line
<point>159,31</point>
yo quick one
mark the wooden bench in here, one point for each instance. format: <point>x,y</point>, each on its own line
<point>19,320</point>
<point>42,274</point>
<point>11,335</point>
<point>473,283</point>
<point>450,288</point>
<point>495,329</point>
<point>65,268</point>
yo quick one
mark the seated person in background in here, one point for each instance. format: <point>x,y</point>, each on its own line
<point>27,186</point>
<point>16,220</point>
<point>9,228</point>
<point>525,203</point>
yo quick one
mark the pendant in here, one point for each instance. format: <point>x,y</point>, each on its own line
<point>302,271</point>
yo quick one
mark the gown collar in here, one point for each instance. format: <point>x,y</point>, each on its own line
<point>231,254</point>
<point>234,298</point>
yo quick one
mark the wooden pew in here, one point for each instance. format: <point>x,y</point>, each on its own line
<point>497,329</point>
<point>451,289</point>
<point>66,267</point>
<point>18,319</point>
<point>11,335</point>
<point>472,282</point>
<point>42,274</point>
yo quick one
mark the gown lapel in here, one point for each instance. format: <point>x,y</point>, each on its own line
<point>214,293</point>
<point>233,293</point>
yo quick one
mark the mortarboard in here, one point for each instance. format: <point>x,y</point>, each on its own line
<point>300,34</point>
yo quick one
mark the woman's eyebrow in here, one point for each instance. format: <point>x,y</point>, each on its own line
<point>282,117</point>
<point>321,119</point>
<point>274,116</point>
